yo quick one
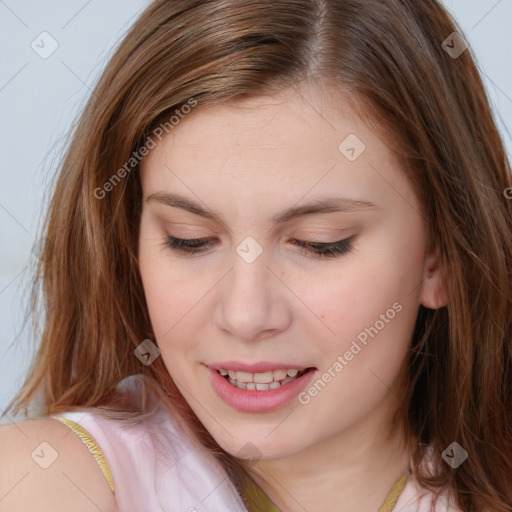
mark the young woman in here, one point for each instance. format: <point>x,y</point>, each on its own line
<point>276,272</point>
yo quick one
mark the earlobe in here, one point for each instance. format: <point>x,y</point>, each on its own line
<point>433,288</point>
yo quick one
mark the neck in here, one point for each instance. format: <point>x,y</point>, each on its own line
<point>353,470</point>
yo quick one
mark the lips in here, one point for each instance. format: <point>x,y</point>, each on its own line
<point>257,398</point>
<point>259,367</point>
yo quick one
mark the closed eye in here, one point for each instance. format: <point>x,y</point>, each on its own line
<point>195,246</point>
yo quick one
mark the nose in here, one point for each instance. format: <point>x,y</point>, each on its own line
<point>252,300</point>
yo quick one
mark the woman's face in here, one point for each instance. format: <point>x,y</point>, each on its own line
<point>258,300</point>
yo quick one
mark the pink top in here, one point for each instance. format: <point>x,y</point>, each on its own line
<point>418,499</point>
<point>157,466</point>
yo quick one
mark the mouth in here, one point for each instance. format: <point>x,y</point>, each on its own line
<point>262,381</point>
<point>265,390</point>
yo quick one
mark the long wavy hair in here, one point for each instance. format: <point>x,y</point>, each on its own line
<point>388,59</point>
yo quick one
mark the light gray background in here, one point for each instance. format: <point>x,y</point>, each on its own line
<point>39,98</point>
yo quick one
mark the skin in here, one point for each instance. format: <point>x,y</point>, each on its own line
<point>247,161</point>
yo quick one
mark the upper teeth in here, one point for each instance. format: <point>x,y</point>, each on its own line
<point>259,378</point>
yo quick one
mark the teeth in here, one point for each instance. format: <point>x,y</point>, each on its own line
<point>263,378</point>
<point>260,381</point>
<point>279,374</point>
<point>244,377</point>
<point>236,383</point>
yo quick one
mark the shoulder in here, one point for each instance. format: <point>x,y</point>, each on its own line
<point>44,466</point>
<point>157,463</point>
<point>154,459</point>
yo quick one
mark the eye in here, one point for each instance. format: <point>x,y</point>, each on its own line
<point>326,250</point>
<point>317,249</point>
<point>188,246</point>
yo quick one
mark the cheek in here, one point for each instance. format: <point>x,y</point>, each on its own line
<point>169,300</point>
<point>366,326</point>
<point>164,290</point>
<point>370,317</point>
<point>174,299</point>
<point>371,298</point>
<point>168,306</point>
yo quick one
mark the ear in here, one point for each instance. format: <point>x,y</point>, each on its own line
<point>433,288</point>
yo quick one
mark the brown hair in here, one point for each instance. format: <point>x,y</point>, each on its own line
<point>433,111</point>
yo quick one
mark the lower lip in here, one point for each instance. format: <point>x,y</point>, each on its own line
<point>258,401</point>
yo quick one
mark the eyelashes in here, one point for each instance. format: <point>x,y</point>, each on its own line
<point>196,246</point>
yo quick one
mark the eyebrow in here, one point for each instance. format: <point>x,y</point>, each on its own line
<point>325,205</point>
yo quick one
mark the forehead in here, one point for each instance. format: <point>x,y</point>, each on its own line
<point>270,150</point>
<point>272,122</point>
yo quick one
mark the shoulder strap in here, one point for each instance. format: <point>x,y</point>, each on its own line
<point>394,494</point>
<point>93,447</point>
<point>257,501</point>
